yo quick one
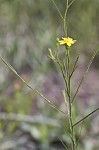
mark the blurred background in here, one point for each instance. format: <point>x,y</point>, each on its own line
<point>27,29</point>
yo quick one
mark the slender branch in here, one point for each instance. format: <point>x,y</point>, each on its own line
<point>40,94</point>
<point>63,74</point>
<point>71,3</point>
<point>64,19</point>
<point>65,67</point>
<point>63,143</point>
<point>86,71</point>
<point>57,9</point>
<point>85,117</point>
<point>65,16</point>
<point>64,95</point>
<point>75,66</point>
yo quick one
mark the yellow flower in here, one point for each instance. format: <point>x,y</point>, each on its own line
<point>68,41</point>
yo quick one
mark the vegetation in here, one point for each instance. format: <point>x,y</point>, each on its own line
<point>28,29</point>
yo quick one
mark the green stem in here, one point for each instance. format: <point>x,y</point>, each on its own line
<point>85,117</point>
<point>65,15</point>
<point>67,82</point>
<point>57,9</point>
<point>69,98</point>
<point>63,74</point>
<point>40,94</point>
<point>71,3</point>
<point>75,66</point>
<point>85,73</point>
<point>64,19</point>
<point>71,127</point>
<point>68,70</point>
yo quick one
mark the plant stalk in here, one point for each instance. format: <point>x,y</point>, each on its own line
<point>69,99</point>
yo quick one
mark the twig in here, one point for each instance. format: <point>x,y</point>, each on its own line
<point>63,143</point>
<point>85,117</point>
<point>75,66</point>
<point>40,94</point>
<point>64,21</point>
<point>71,3</point>
<point>57,9</point>
<point>86,71</point>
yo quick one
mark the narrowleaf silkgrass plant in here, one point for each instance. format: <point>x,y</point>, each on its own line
<point>67,72</point>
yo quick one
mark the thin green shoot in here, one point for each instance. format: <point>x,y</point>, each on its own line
<point>75,66</point>
<point>57,9</point>
<point>40,94</point>
<point>85,73</point>
<point>78,122</point>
